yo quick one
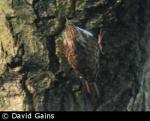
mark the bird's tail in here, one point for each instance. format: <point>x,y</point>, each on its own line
<point>91,88</point>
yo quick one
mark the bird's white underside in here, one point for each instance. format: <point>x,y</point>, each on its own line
<point>80,37</point>
<point>85,31</point>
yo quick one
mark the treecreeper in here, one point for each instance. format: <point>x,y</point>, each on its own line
<point>82,51</point>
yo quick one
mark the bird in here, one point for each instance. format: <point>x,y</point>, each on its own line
<point>82,51</point>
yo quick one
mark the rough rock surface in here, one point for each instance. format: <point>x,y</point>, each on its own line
<point>34,75</point>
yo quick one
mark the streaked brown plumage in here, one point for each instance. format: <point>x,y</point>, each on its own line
<point>82,52</point>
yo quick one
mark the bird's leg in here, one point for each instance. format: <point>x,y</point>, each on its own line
<point>100,39</point>
<point>90,87</point>
<point>87,87</point>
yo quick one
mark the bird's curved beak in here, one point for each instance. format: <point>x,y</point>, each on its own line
<point>67,22</point>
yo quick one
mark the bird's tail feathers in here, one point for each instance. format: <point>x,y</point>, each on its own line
<point>91,88</point>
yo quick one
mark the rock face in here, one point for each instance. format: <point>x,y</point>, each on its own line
<point>35,76</point>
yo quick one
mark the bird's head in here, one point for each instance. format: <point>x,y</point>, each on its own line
<point>74,34</point>
<point>70,33</point>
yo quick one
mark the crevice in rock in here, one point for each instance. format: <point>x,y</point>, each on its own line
<point>33,6</point>
<point>54,61</point>
<point>10,25</point>
<point>49,40</point>
<point>18,59</point>
<point>29,97</point>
